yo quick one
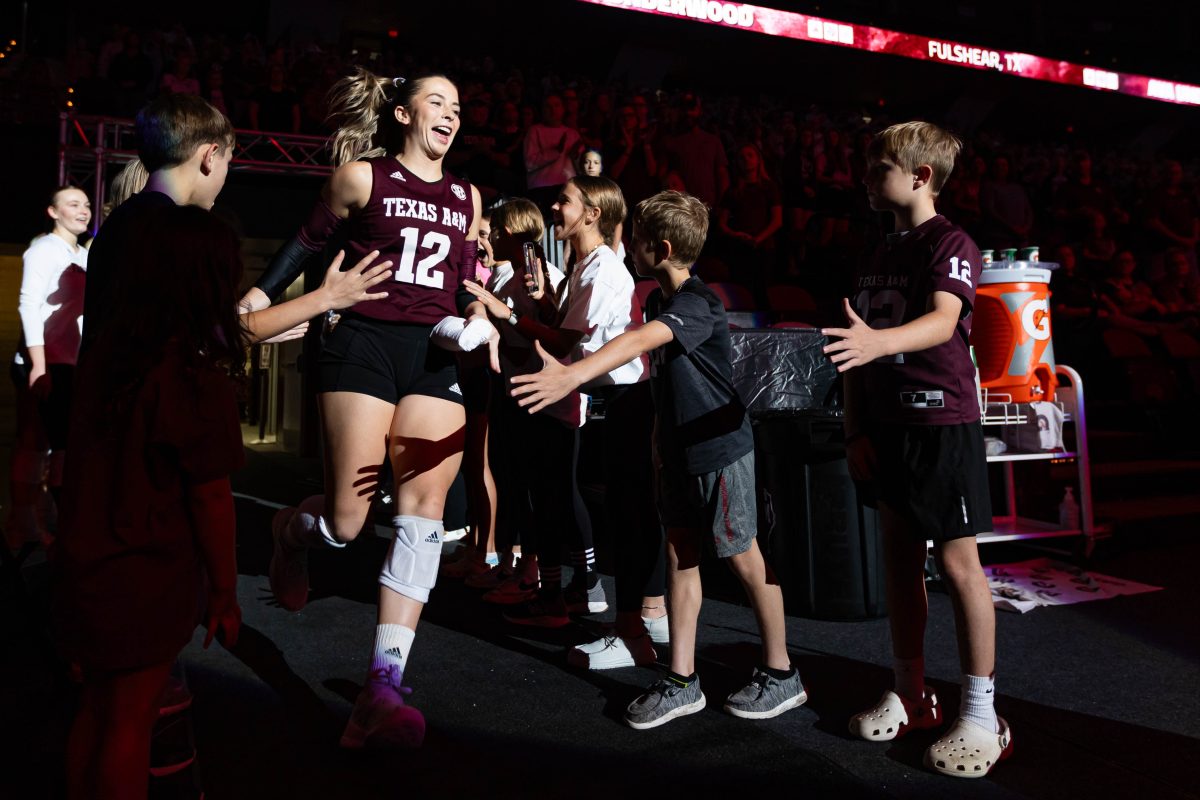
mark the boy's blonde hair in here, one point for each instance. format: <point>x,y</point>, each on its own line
<point>911,144</point>
<point>520,218</point>
<point>677,218</point>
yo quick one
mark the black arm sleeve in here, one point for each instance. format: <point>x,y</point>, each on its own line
<point>466,271</point>
<point>286,265</point>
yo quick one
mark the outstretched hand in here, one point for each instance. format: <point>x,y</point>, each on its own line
<point>344,289</point>
<point>496,307</point>
<point>542,389</point>
<point>860,343</point>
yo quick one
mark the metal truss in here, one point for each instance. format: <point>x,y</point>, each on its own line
<point>93,149</point>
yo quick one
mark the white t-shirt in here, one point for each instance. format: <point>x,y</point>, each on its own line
<point>601,304</point>
<point>51,300</point>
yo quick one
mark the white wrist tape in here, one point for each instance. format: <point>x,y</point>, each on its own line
<point>459,336</point>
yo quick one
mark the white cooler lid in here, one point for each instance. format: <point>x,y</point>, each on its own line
<point>1015,272</point>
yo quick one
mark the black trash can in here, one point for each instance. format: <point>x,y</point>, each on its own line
<point>823,545</point>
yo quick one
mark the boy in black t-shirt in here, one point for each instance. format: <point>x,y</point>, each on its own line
<point>705,455</point>
<point>915,444</point>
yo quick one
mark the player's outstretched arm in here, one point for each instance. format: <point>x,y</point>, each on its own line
<point>555,381</point>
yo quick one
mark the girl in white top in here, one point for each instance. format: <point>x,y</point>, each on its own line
<point>51,309</point>
<point>599,305</point>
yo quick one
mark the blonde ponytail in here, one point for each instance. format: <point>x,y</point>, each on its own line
<point>356,104</point>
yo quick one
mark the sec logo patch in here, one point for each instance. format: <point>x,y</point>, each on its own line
<point>459,192</point>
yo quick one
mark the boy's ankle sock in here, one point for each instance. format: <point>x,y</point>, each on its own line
<point>779,674</point>
<point>682,680</point>
<point>910,678</point>
<point>392,646</point>
<point>978,696</point>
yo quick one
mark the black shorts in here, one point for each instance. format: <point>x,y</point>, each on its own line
<point>935,476</point>
<point>388,360</point>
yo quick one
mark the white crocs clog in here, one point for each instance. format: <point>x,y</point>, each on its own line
<point>893,716</point>
<point>969,751</point>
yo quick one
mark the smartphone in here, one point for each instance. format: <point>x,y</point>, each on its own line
<point>529,255</point>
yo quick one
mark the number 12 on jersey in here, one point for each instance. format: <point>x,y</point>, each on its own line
<point>960,270</point>
<point>423,275</point>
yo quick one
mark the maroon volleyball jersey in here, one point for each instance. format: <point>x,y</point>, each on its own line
<point>420,227</point>
<point>935,386</point>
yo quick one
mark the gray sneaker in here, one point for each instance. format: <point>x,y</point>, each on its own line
<point>765,697</point>
<point>665,700</point>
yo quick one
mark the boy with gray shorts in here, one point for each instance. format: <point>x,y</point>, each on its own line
<point>704,454</point>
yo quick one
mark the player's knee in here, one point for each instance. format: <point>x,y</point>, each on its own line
<point>411,566</point>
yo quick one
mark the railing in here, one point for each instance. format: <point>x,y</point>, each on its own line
<point>92,149</point>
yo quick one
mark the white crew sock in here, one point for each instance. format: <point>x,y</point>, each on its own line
<point>308,528</point>
<point>909,678</point>
<point>392,645</point>
<point>978,695</point>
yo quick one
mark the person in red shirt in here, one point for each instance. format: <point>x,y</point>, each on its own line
<point>915,443</point>
<point>146,545</point>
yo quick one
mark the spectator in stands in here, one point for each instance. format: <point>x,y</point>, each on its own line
<point>1098,248</point>
<point>275,107</point>
<point>1007,216</point>
<point>1083,195</point>
<point>749,217</point>
<point>551,148</point>
<point>1178,290</point>
<point>598,119</point>
<point>1124,294</point>
<point>1076,310</point>
<point>1172,219</point>
<point>214,90</point>
<point>964,196</point>
<point>834,175</point>
<point>476,159</point>
<point>697,155</point>
<point>635,161</point>
<point>130,72</point>
<point>799,193</point>
<point>180,80</point>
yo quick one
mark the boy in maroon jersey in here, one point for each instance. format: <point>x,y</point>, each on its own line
<point>915,444</point>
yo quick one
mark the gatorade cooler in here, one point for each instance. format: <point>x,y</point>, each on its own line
<point>1011,332</point>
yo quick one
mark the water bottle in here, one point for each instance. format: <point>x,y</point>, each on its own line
<point>1068,511</point>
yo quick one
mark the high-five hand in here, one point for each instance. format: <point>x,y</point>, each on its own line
<point>860,343</point>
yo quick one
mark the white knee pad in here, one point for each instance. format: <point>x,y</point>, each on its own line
<point>412,563</point>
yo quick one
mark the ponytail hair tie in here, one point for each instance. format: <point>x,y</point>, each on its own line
<point>398,82</point>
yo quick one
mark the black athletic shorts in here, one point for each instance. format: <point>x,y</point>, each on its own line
<point>388,360</point>
<point>933,475</point>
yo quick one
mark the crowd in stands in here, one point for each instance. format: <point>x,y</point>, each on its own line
<point>783,178</point>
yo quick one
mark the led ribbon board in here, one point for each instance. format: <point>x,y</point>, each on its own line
<point>806,28</point>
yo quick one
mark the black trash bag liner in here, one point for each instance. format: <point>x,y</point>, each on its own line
<point>781,371</point>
